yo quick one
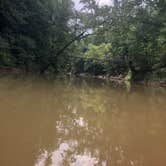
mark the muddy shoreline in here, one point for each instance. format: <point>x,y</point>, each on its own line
<point>116,79</point>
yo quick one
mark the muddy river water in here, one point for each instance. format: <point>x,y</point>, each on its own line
<point>77,122</point>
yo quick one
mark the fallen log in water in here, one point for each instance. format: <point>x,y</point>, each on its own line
<point>10,70</point>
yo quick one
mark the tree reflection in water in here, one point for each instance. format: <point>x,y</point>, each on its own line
<point>54,123</point>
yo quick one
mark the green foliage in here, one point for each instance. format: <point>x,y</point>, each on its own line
<point>129,76</point>
<point>99,56</point>
<point>99,52</point>
<point>93,59</point>
<point>137,33</point>
<point>32,33</point>
<point>127,38</point>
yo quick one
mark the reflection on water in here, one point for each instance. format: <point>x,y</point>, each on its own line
<point>80,123</point>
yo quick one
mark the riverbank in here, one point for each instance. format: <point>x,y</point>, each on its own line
<point>120,79</point>
<point>11,70</point>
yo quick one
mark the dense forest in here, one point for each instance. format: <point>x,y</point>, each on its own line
<point>127,38</point>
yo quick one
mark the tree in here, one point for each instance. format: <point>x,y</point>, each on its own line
<point>34,32</point>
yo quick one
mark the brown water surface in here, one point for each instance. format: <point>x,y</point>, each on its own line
<point>80,123</point>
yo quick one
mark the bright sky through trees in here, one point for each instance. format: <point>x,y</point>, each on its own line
<point>101,2</point>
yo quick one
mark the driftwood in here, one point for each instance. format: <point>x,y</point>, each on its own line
<point>11,70</point>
